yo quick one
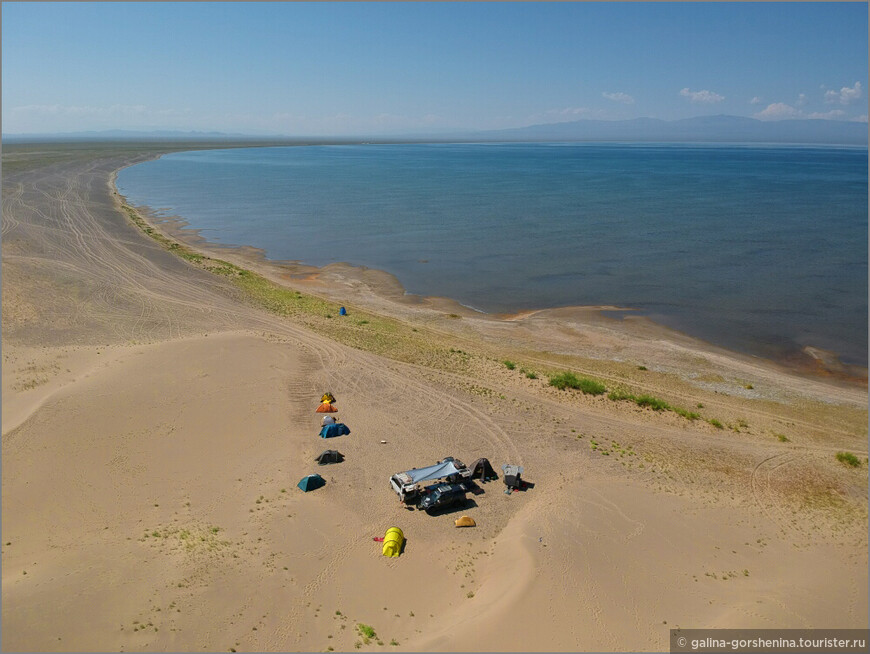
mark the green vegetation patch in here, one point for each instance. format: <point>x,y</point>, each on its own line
<point>849,459</point>
<point>653,403</point>
<point>656,404</point>
<point>366,631</point>
<point>688,415</point>
<point>567,380</point>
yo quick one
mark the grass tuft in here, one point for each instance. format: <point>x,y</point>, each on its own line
<point>618,394</point>
<point>849,459</point>
<point>654,403</point>
<point>366,631</point>
<point>588,386</point>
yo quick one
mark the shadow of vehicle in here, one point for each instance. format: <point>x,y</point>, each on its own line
<point>453,508</point>
<point>473,488</point>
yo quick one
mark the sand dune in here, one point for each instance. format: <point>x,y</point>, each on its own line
<point>156,421</point>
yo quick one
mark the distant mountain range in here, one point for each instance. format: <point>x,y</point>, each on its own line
<point>710,129</point>
<point>713,129</point>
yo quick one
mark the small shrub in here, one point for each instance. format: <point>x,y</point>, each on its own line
<point>510,365</point>
<point>531,375</point>
<point>366,630</point>
<point>652,402</point>
<point>689,415</point>
<point>642,368</point>
<point>570,380</point>
<point>617,395</point>
<point>782,438</point>
<point>716,423</point>
<point>849,459</point>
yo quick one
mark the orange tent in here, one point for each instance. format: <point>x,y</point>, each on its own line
<point>326,407</point>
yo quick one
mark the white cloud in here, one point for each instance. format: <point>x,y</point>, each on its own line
<point>619,97</point>
<point>569,111</point>
<point>845,95</point>
<point>702,97</point>
<point>833,114</point>
<point>802,99</point>
<point>860,119</point>
<point>755,100</point>
<point>778,110</point>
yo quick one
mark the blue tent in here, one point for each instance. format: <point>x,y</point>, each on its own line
<point>311,482</point>
<point>338,429</point>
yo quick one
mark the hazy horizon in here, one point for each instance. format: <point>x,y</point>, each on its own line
<point>341,69</point>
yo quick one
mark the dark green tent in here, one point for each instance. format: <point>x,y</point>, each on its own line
<point>311,482</point>
<point>329,456</point>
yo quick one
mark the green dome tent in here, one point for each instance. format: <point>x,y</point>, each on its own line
<point>311,482</point>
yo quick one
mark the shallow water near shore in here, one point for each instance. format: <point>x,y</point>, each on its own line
<point>759,249</point>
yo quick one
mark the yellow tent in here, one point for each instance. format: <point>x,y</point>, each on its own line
<point>393,540</point>
<point>464,521</point>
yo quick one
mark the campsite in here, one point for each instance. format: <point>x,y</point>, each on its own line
<point>160,410</point>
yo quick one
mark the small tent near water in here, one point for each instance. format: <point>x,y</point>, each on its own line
<point>329,456</point>
<point>311,482</point>
<point>337,429</point>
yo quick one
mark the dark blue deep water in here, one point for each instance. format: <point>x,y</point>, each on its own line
<point>760,249</point>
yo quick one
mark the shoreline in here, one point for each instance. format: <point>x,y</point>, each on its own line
<point>170,398</point>
<point>340,279</point>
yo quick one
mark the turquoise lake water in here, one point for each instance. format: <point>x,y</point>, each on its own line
<point>759,249</point>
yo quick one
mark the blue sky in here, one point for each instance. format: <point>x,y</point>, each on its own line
<point>371,68</point>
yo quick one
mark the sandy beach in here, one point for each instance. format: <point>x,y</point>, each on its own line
<point>158,411</point>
